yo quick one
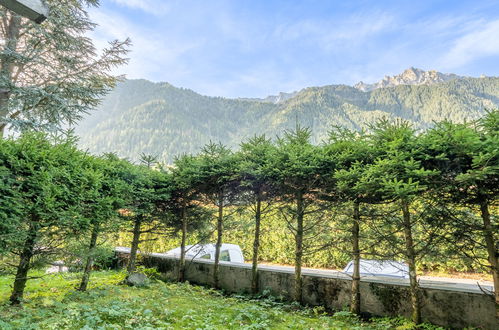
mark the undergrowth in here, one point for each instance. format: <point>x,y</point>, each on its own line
<point>53,303</point>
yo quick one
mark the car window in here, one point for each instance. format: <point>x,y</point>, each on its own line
<point>224,255</point>
<point>206,256</point>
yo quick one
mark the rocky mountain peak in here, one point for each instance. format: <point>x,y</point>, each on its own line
<point>411,76</point>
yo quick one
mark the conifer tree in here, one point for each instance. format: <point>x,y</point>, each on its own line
<point>295,171</point>
<point>467,157</point>
<point>218,170</point>
<point>101,206</point>
<point>184,204</point>
<point>147,189</point>
<point>49,182</point>
<point>50,73</point>
<point>399,176</point>
<point>254,160</point>
<point>349,153</point>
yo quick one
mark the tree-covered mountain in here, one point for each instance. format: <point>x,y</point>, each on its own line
<point>140,116</point>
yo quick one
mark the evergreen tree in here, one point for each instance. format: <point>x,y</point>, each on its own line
<point>183,203</point>
<point>148,190</point>
<point>295,171</point>
<point>101,206</point>
<point>218,169</point>
<point>468,158</point>
<point>50,74</point>
<point>49,182</point>
<point>254,162</point>
<point>400,177</point>
<point>350,153</point>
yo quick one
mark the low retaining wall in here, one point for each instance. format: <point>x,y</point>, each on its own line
<point>449,308</point>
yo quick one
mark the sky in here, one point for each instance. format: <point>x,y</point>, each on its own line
<point>255,48</point>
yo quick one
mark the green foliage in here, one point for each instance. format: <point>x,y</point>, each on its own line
<point>151,273</point>
<point>55,195</point>
<point>396,173</point>
<point>45,184</point>
<point>255,164</point>
<point>75,252</point>
<point>55,305</point>
<point>51,73</point>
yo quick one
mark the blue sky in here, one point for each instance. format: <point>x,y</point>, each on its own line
<point>255,48</point>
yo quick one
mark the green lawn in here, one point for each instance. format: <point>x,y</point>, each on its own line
<point>52,303</point>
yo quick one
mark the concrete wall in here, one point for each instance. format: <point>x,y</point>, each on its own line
<point>449,308</point>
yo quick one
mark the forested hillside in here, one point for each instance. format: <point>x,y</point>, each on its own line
<point>140,116</point>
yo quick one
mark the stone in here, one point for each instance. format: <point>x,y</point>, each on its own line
<point>137,279</point>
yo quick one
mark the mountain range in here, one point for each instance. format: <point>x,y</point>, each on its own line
<point>140,116</point>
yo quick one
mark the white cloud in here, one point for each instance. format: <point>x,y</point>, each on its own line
<point>480,42</point>
<point>153,52</point>
<point>329,34</point>
<point>156,7</point>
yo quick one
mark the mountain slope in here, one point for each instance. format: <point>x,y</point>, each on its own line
<point>411,76</point>
<point>157,118</point>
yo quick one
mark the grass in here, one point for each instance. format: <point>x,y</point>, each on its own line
<point>52,303</point>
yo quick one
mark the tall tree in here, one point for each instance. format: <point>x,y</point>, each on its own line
<point>468,159</point>
<point>184,202</point>
<point>399,176</point>
<point>349,153</point>
<point>254,160</point>
<point>148,190</point>
<point>295,169</point>
<point>48,180</point>
<point>218,169</point>
<point>101,206</point>
<point>50,73</point>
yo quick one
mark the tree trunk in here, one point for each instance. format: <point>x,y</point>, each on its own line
<point>181,272</point>
<point>90,258</point>
<point>23,267</point>
<point>355,303</point>
<point>135,244</point>
<point>492,252</point>
<point>216,271</point>
<point>256,243</point>
<point>6,66</point>
<point>299,247</point>
<point>411,261</point>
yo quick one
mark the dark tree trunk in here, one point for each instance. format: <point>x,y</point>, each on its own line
<point>299,247</point>
<point>411,261</point>
<point>355,299</point>
<point>181,273</point>
<point>90,258</point>
<point>216,271</point>
<point>256,243</point>
<point>23,267</point>
<point>135,244</point>
<point>493,254</point>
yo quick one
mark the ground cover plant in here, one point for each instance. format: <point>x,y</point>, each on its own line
<point>54,303</point>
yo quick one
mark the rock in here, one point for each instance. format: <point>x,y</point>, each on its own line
<point>411,76</point>
<point>137,279</point>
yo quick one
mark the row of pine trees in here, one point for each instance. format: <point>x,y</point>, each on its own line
<point>53,193</point>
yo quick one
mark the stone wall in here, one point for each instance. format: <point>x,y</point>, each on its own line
<point>449,308</point>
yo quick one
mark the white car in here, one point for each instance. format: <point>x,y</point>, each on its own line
<point>380,268</point>
<point>57,267</point>
<point>228,252</point>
